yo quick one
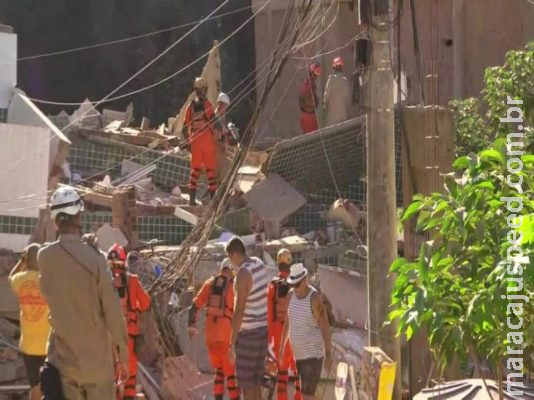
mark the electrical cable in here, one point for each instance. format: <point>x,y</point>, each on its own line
<point>329,164</point>
<point>146,66</point>
<point>130,38</point>
<point>248,88</point>
<point>187,257</point>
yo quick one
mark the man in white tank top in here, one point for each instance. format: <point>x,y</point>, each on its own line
<point>308,329</point>
<point>249,343</point>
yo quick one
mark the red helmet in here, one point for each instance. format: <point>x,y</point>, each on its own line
<point>116,253</point>
<point>314,69</point>
<point>337,62</point>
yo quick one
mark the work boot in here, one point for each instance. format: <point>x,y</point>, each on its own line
<point>192,200</point>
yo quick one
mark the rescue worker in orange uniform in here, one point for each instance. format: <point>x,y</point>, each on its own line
<point>134,300</point>
<point>308,100</point>
<point>276,313</point>
<point>217,295</point>
<point>198,122</point>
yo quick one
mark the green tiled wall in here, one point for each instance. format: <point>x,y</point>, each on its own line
<point>171,170</point>
<point>170,230</point>
<point>237,222</point>
<point>17,225</point>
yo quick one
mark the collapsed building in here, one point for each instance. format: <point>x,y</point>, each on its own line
<point>306,194</point>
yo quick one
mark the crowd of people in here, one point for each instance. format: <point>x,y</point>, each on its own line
<point>207,129</point>
<point>80,311</point>
<point>80,333</point>
<point>249,318</point>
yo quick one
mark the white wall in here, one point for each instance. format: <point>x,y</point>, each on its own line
<point>8,67</point>
<point>14,242</point>
<point>23,178</point>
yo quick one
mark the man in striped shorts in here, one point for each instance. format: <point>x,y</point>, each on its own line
<point>249,325</point>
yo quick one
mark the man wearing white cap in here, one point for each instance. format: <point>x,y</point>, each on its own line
<point>308,329</point>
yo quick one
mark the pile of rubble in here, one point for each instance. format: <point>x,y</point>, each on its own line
<point>12,373</point>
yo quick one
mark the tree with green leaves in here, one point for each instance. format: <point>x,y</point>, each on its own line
<point>454,287</point>
<point>475,131</point>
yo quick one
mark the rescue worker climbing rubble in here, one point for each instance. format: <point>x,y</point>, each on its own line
<point>308,101</point>
<point>217,295</point>
<point>134,300</point>
<point>198,123</point>
<point>276,313</point>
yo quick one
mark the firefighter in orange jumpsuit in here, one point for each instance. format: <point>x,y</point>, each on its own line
<point>198,124</point>
<point>134,300</point>
<point>308,100</point>
<point>276,312</point>
<point>217,295</point>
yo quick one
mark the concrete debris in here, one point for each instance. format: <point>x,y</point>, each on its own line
<point>335,284</point>
<point>9,305</point>
<point>107,236</point>
<point>128,167</point>
<point>273,199</point>
<point>86,116</point>
<point>346,212</point>
<point>194,348</point>
<point>109,116</point>
<point>115,125</point>
<point>8,259</point>
<point>295,244</point>
<point>185,215</point>
<point>145,124</point>
<point>182,381</point>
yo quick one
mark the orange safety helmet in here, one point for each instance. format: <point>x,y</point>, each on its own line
<point>314,69</point>
<point>117,254</point>
<point>338,62</point>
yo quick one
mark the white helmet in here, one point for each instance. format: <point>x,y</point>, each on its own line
<point>65,200</point>
<point>223,98</point>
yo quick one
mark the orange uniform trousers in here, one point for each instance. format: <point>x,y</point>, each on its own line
<point>218,355</point>
<point>308,122</point>
<point>130,391</point>
<point>286,364</point>
<point>203,155</point>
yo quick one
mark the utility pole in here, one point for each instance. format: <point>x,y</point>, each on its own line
<point>381,197</point>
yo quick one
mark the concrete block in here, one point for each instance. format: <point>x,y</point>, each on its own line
<point>274,199</point>
<point>337,284</point>
<point>181,380</point>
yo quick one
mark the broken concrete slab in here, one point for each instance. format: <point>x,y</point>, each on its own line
<point>109,116</point>
<point>274,199</point>
<point>108,236</point>
<point>86,116</point>
<point>185,215</point>
<point>9,303</point>
<point>128,167</point>
<point>182,381</point>
<point>194,348</point>
<point>295,244</point>
<point>114,126</point>
<point>335,284</point>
